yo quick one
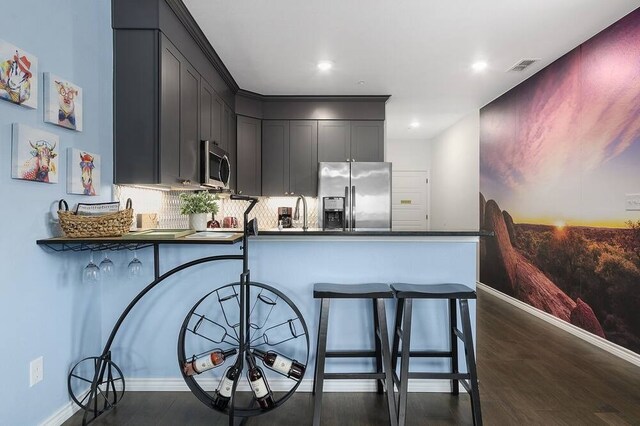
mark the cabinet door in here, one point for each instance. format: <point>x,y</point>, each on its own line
<point>275,158</point>
<point>226,123</point>
<point>303,157</point>
<point>367,141</point>
<point>233,154</point>
<point>170,64</point>
<point>189,123</point>
<point>334,140</point>
<point>249,156</point>
<point>210,113</point>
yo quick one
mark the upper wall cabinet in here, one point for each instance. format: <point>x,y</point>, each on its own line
<point>367,141</point>
<point>249,156</point>
<point>157,133</point>
<point>211,114</point>
<point>289,157</point>
<point>350,140</point>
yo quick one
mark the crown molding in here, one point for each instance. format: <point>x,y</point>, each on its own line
<point>315,98</point>
<point>195,31</point>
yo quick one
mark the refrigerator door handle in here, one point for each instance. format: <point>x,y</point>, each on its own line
<point>353,208</point>
<point>347,206</point>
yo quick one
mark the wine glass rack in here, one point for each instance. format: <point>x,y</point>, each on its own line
<point>246,322</point>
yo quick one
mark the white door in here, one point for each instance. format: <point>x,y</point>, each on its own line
<point>410,200</point>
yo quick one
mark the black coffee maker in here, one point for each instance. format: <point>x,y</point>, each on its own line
<point>333,218</point>
<point>284,216</point>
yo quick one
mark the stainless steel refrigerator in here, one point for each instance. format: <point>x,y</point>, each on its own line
<point>366,188</point>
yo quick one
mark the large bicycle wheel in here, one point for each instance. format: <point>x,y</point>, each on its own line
<point>213,325</point>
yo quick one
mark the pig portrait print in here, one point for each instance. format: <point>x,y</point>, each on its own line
<point>18,76</point>
<point>63,102</point>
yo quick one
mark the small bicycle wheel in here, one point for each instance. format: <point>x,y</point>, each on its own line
<point>275,324</point>
<point>109,388</point>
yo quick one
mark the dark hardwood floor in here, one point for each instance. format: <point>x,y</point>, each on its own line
<point>531,373</point>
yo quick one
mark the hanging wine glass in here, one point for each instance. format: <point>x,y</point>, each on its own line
<point>106,267</point>
<point>91,272</point>
<point>135,266</point>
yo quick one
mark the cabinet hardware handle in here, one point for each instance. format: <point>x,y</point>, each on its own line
<point>348,159</point>
<point>286,193</point>
<point>239,192</point>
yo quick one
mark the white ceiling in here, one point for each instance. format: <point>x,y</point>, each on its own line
<point>418,51</point>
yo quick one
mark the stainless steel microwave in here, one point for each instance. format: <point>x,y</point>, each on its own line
<point>214,166</point>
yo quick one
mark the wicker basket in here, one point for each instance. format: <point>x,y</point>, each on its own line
<point>107,225</point>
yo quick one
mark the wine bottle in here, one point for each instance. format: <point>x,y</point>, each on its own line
<point>259,386</point>
<point>226,385</point>
<point>281,364</point>
<point>207,362</point>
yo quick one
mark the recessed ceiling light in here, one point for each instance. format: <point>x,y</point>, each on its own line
<point>414,125</point>
<point>479,66</point>
<point>325,65</point>
<point>361,82</point>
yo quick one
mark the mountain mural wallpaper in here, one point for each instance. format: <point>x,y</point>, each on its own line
<point>558,155</point>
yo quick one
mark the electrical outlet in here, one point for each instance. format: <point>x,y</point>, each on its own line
<point>36,371</point>
<point>633,202</point>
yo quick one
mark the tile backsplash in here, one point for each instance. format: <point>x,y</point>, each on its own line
<point>167,205</point>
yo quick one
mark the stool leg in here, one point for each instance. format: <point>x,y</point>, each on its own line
<point>320,360</point>
<point>386,356</point>
<point>376,339</point>
<point>471,362</point>
<point>396,339</point>
<point>453,324</point>
<point>404,362</point>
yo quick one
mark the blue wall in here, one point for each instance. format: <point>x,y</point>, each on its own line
<point>44,309</point>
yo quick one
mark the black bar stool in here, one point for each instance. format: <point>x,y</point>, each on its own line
<point>382,353</point>
<point>405,293</point>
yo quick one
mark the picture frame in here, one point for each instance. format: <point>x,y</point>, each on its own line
<point>63,102</point>
<point>18,76</point>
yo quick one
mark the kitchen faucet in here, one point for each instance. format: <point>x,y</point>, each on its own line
<point>296,213</point>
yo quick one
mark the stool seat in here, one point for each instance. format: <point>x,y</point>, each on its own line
<point>433,291</point>
<point>352,291</point>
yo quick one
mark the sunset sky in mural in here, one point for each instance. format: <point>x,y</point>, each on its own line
<point>565,144</point>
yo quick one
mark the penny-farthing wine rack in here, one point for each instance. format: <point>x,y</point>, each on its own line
<point>242,316</point>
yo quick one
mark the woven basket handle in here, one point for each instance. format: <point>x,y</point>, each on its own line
<point>129,203</point>
<point>63,203</point>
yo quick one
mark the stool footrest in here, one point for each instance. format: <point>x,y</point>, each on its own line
<point>429,354</point>
<point>459,333</point>
<point>448,376</point>
<point>350,354</point>
<point>354,375</point>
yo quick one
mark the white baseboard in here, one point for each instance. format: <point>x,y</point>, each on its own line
<point>598,341</point>
<point>278,385</point>
<point>63,414</point>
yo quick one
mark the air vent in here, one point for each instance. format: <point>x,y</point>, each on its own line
<point>523,65</point>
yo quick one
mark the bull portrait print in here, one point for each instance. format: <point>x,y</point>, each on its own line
<point>63,102</point>
<point>18,76</point>
<point>34,154</point>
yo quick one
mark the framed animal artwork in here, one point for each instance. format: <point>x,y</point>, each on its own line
<point>62,102</point>
<point>83,172</point>
<point>34,154</point>
<point>18,76</point>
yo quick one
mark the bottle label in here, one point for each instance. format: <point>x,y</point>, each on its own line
<point>259,388</point>
<point>225,387</point>
<point>282,365</point>
<point>203,364</point>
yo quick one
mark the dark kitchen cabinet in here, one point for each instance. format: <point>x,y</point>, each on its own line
<point>367,141</point>
<point>289,157</point>
<point>179,112</point>
<point>275,157</point>
<point>350,140</point>
<point>334,140</point>
<point>249,156</point>
<point>211,114</point>
<point>303,157</point>
<point>156,112</point>
<point>233,150</point>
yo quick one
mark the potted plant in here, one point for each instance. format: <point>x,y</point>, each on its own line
<point>198,205</point>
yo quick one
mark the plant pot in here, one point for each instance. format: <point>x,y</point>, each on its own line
<point>198,221</point>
